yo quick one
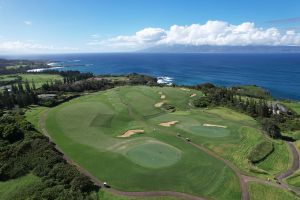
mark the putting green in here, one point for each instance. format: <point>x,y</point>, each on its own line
<point>206,131</point>
<point>154,155</point>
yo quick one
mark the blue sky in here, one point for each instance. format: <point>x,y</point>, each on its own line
<point>92,25</point>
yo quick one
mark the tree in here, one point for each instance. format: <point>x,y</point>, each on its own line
<point>271,128</point>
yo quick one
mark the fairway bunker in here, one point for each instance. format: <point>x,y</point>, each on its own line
<point>131,132</point>
<point>214,125</point>
<point>168,124</point>
<point>193,95</point>
<point>185,89</point>
<point>158,105</point>
<point>163,96</point>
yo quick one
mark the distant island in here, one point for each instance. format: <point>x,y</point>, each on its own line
<point>220,49</point>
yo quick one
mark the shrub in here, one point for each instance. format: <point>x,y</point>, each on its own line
<point>261,151</point>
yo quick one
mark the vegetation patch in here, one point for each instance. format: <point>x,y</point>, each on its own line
<point>261,151</point>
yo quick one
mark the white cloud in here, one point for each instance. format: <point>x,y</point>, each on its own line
<point>210,33</point>
<point>30,47</point>
<point>28,23</point>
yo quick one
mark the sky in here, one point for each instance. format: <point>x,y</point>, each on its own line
<point>59,26</point>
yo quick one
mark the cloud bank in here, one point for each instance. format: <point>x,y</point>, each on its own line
<point>218,33</point>
<point>30,47</point>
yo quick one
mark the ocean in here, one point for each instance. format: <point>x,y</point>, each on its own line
<point>278,73</point>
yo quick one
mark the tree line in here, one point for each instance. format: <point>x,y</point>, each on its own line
<point>23,150</point>
<point>260,109</point>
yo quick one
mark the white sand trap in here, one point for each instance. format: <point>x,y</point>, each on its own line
<point>163,96</point>
<point>160,93</point>
<point>131,132</point>
<point>193,95</point>
<point>185,89</point>
<point>168,124</point>
<point>214,125</point>
<point>159,104</point>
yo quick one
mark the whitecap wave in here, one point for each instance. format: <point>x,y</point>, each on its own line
<point>165,80</point>
<point>43,69</point>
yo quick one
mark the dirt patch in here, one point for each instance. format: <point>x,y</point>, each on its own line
<point>131,132</point>
<point>214,125</point>
<point>163,96</point>
<point>193,95</point>
<point>159,104</point>
<point>185,89</point>
<point>168,124</point>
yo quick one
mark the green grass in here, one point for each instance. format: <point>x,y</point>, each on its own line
<point>39,79</point>
<point>295,106</point>
<point>260,192</point>
<point>278,161</point>
<point>294,180</point>
<point>104,195</point>
<point>154,155</point>
<point>33,114</point>
<point>154,161</point>
<point>254,91</point>
<point>18,188</point>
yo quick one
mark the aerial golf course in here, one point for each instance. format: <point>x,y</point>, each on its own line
<point>138,139</point>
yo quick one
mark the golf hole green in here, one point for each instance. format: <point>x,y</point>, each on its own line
<point>212,132</point>
<point>154,155</point>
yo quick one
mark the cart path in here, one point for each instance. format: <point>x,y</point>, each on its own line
<point>97,182</point>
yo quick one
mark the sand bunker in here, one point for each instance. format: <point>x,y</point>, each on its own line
<point>214,125</point>
<point>159,104</point>
<point>163,96</point>
<point>131,132</point>
<point>160,93</point>
<point>168,124</point>
<point>185,89</point>
<point>193,95</point>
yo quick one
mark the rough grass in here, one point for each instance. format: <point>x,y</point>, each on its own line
<point>18,188</point>
<point>295,106</point>
<point>101,152</point>
<point>278,161</point>
<point>260,192</point>
<point>294,180</point>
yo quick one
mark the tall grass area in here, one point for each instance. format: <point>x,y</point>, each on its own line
<point>19,188</point>
<point>260,192</point>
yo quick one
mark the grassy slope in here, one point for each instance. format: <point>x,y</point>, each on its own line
<point>260,192</point>
<point>33,114</point>
<point>204,176</point>
<point>295,178</point>
<point>15,189</point>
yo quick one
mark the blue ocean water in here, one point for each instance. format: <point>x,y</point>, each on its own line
<point>278,73</point>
